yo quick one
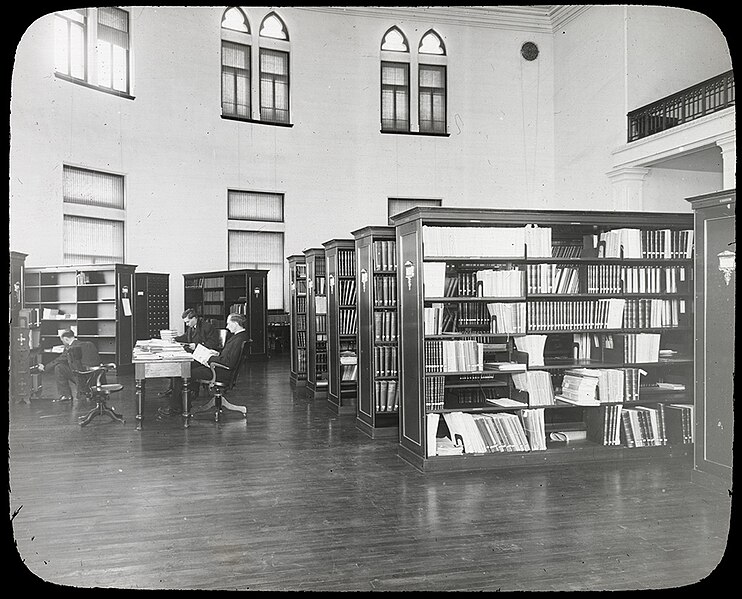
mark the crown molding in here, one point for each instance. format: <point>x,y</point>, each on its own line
<point>532,18</point>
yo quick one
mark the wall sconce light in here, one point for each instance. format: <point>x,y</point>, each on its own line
<point>364,279</point>
<point>256,291</point>
<point>409,273</point>
<point>310,284</point>
<point>727,264</point>
<point>331,282</point>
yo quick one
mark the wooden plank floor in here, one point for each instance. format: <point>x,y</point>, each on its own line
<point>296,498</point>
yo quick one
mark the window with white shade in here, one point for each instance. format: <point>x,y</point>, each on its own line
<point>255,206</point>
<point>93,207</point>
<point>260,250</point>
<point>92,47</point>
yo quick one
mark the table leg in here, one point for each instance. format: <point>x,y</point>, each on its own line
<point>186,393</point>
<point>139,384</point>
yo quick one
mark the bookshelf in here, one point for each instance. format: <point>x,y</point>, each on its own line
<point>595,306</point>
<point>342,325</point>
<point>298,318</point>
<point>151,304</point>
<point>377,413</point>
<point>715,299</point>
<point>216,294</point>
<point>94,300</point>
<point>22,383</point>
<point>316,322</point>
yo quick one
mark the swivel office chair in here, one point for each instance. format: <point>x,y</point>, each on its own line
<point>218,401</point>
<point>100,392</point>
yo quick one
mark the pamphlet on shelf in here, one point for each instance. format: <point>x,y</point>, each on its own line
<point>568,436</point>
<point>506,402</point>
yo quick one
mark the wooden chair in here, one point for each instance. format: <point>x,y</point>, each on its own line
<point>218,401</point>
<point>100,393</point>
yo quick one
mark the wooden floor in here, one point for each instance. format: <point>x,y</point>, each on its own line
<point>296,498</point>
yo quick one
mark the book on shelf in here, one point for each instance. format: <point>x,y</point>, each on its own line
<point>505,366</point>
<point>534,427</point>
<point>506,402</point>
<point>434,279</point>
<point>568,436</point>
<point>580,387</point>
<point>444,446</point>
<point>474,241</point>
<point>537,241</point>
<point>603,425</point>
<point>538,385</point>
<point>487,433</point>
<point>533,345</point>
<point>431,428</point>
<point>679,423</point>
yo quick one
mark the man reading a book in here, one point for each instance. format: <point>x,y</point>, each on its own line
<point>229,356</point>
<point>198,331</point>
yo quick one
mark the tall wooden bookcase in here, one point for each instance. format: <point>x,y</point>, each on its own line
<point>377,409</point>
<point>216,294</point>
<point>342,325</point>
<point>571,298</point>
<point>316,322</point>
<point>94,300</point>
<point>715,319</point>
<point>151,304</point>
<point>298,318</point>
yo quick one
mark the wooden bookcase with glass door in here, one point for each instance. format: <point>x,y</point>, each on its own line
<point>298,318</point>
<point>544,337</point>
<point>342,325</point>
<point>316,323</point>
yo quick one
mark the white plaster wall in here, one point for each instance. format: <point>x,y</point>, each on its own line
<point>613,59</point>
<point>334,167</point>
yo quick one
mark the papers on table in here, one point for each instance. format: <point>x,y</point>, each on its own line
<point>157,349</point>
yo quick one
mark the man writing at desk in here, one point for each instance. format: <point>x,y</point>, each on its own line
<point>229,357</point>
<point>197,331</point>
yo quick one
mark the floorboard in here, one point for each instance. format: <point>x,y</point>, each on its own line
<point>296,498</point>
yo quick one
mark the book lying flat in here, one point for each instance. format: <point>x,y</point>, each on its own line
<point>568,436</point>
<point>582,401</point>
<point>506,402</point>
<point>509,366</point>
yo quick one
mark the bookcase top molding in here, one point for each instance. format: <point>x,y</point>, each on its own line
<point>239,271</point>
<point>372,230</point>
<point>333,243</point>
<point>474,216</point>
<point>88,267</point>
<point>727,196</point>
<point>314,252</point>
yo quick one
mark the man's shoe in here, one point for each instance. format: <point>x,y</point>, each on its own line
<point>62,398</point>
<point>167,412</point>
<point>165,393</point>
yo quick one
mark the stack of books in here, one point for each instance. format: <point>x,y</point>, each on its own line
<point>579,387</point>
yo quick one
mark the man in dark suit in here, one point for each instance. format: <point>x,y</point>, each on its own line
<point>77,355</point>
<point>229,356</point>
<point>198,331</point>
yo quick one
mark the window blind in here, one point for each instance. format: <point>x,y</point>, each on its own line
<point>82,186</point>
<point>92,240</point>
<point>251,205</point>
<point>260,250</point>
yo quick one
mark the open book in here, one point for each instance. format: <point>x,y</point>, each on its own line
<point>203,353</point>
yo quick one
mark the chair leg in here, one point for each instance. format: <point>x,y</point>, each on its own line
<point>230,406</point>
<point>84,420</point>
<point>101,408</point>
<point>206,407</point>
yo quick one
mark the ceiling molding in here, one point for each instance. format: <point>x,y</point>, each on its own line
<point>531,18</point>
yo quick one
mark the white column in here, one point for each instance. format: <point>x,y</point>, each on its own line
<point>728,147</point>
<point>627,188</point>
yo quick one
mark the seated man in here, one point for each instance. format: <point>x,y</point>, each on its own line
<point>197,331</point>
<point>229,356</point>
<point>77,355</point>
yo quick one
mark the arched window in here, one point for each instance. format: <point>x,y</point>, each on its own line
<point>395,82</point>
<point>236,58</point>
<point>274,70</point>
<point>274,27</point>
<point>235,20</point>
<point>431,89</point>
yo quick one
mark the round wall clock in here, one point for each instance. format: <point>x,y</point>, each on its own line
<point>529,51</point>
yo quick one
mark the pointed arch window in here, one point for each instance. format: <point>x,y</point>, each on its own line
<point>413,84</point>
<point>274,70</point>
<point>234,19</point>
<point>236,60</point>
<point>274,27</point>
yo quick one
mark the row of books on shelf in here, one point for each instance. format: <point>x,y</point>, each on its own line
<point>346,263</point>
<point>301,359</point>
<point>347,321</point>
<point>507,318</point>
<point>608,313</point>
<point>320,324</point>
<point>301,322</point>
<point>213,282</point>
<point>301,304</point>
<point>301,338</point>
<point>524,431</point>
<point>193,283</point>
<point>620,278</point>
<point>320,304</point>
<point>650,244</point>
<point>240,307</point>
<point>347,292</point>
<point>385,291</point>
<point>385,326</point>
<point>301,286</point>
<point>319,285</point>
<point>474,241</point>
<point>349,372</point>
<point>567,248</point>
<point>386,360</point>
<point>386,395</point>
<point>213,296</point>
<point>212,310</point>
<point>456,355</point>
<point>489,282</point>
<point>552,278</point>
<point>385,255</point>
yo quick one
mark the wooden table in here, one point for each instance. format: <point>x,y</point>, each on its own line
<point>153,364</point>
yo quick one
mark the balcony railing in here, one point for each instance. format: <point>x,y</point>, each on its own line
<point>704,98</point>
